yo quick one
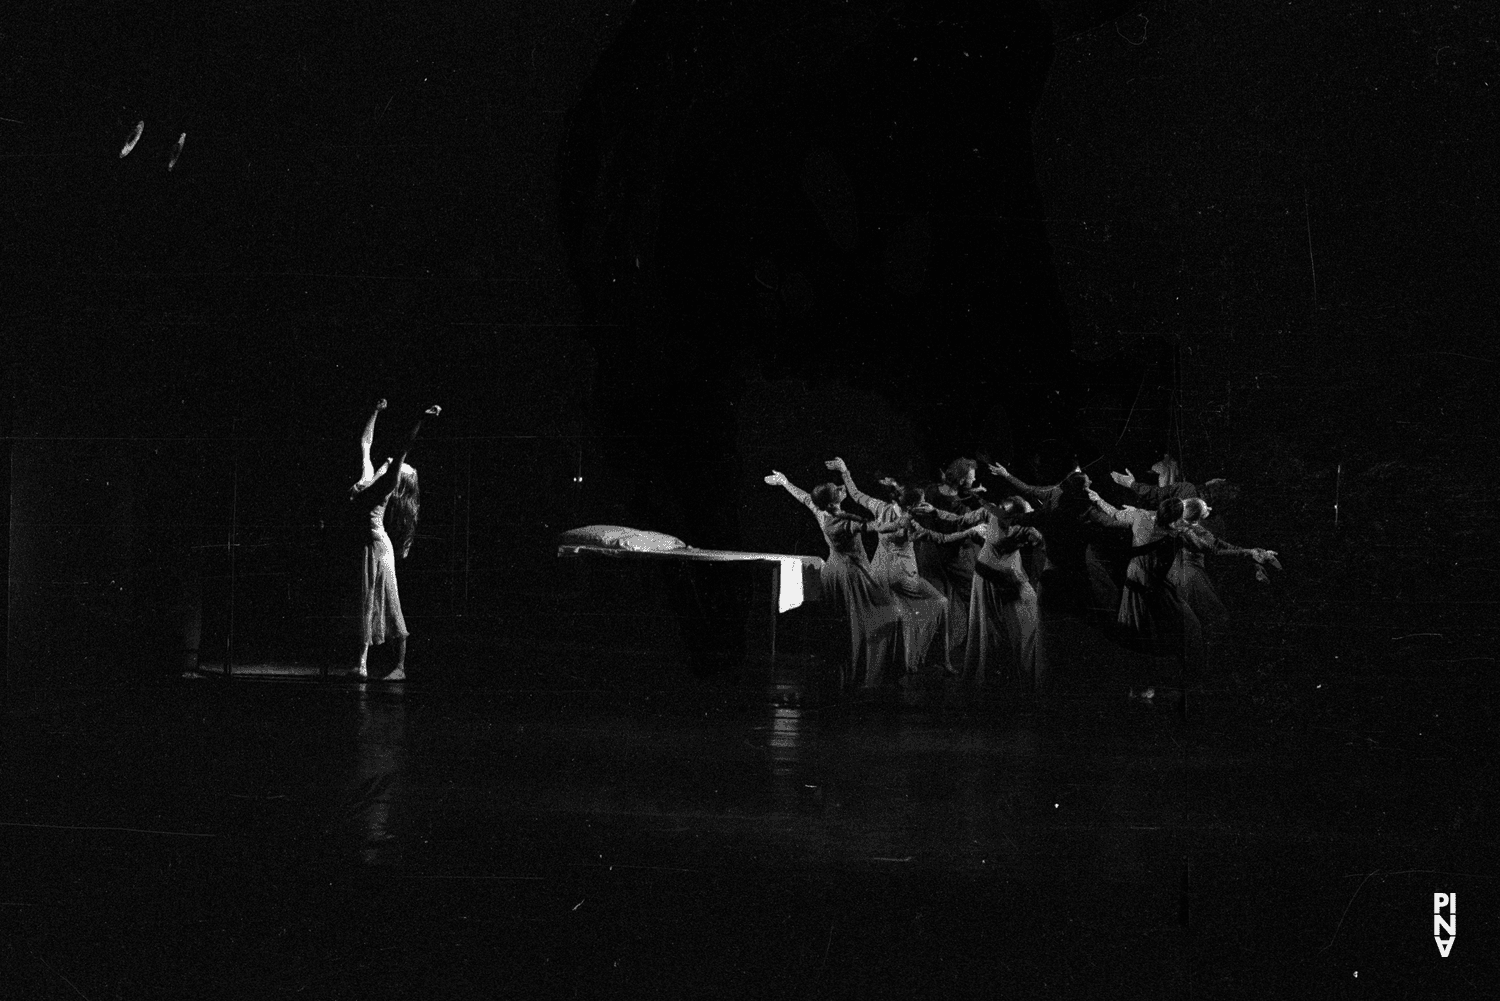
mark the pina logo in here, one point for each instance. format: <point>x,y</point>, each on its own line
<point>1444,925</point>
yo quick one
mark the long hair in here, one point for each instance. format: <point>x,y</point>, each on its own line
<point>1169,512</point>
<point>402,510</point>
<point>958,470</point>
<point>910,497</point>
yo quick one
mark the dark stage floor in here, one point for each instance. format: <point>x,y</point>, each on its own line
<point>242,839</point>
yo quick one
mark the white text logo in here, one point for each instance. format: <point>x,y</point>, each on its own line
<point>1441,925</point>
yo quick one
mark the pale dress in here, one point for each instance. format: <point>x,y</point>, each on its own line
<point>924,609</point>
<point>850,587</point>
<point>1004,621</point>
<point>379,615</point>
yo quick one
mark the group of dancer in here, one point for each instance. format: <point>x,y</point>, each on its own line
<point>953,587</point>
<point>951,563</point>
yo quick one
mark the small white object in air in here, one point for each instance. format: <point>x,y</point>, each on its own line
<point>139,128</point>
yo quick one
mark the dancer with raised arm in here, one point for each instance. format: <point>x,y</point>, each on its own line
<point>1004,621</point>
<point>1083,535</point>
<point>395,483</point>
<point>949,567</point>
<point>923,608</point>
<point>872,614</point>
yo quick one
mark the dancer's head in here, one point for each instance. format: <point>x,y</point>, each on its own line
<point>1169,512</point>
<point>1167,471</point>
<point>1010,509</point>
<point>402,510</point>
<point>960,473</point>
<point>1194,510</point>
<point>910,498</point>
<point>1076,483</point>
<point>828,496</point>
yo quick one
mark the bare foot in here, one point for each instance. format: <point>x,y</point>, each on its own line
<point>399,674</point>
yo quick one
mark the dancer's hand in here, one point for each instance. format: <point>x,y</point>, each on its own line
<point>978,530</point>
<point>1125,479</point>
<point>776,479</point>
<point>433,411</point>
<point>837,465</point>
<point>380,405</point>
<point>998,469</point>
<point>888,481</point>
<point>1094,496</point>
<point>978,488</point>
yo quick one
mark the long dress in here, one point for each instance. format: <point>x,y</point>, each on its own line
<point>1083,537</point>
<point>1191,577</point>
<point>1004,621</point>
<point>850,587</point>
<point>949,567</point>
<point>923,608</point>
<point>379,611</point>
<point>1153,613</point>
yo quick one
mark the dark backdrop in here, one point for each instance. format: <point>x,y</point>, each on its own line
<point>665,248</point>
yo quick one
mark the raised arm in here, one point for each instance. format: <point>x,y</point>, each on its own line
<point>778,479</point>
<point>367,439</point>
<point>878,508</point>
<point>387,481</point>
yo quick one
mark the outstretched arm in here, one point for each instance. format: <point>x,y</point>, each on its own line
<point>1018,537</point>
<point>1105,514</point>
<point>1204,541</point>
<point>876,507</point>
<point>1031,493</point>
<point>973,532</point>
<point>778,479</point>
<point>1152,496</point>
<point>367,470</point>
<point>978,516</point>
<point>1148,493</point>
